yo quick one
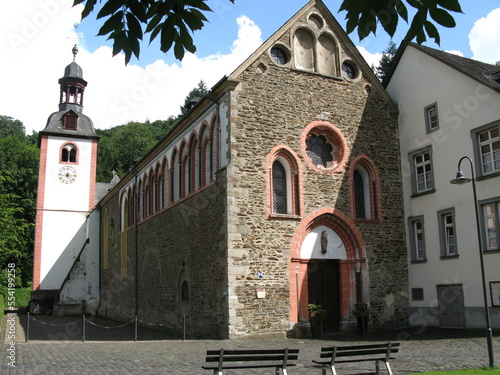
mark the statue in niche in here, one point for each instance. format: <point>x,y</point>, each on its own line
<point>324,242</point>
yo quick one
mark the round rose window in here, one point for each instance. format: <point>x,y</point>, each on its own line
<point>324,147</point>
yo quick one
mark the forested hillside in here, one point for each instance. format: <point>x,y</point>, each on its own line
<point>118,148</point>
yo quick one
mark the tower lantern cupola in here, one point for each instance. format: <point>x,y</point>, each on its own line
<point>72,86</point>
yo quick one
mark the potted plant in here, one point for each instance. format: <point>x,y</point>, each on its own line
<point>361,312</point>
<point>316,317</point>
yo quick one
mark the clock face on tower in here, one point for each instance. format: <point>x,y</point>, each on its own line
<point>67,175</point>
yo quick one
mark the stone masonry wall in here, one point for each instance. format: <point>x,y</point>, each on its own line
<point>271,107</point>
<point>179,243</point>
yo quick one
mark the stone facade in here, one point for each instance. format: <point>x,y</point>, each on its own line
<point>220,260</point>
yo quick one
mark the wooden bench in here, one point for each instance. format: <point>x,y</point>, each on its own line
<point>358,353</point>
<point>251,358</point>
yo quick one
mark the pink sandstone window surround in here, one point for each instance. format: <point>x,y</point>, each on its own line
<point>324,147</point>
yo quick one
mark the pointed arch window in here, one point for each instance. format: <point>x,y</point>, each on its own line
<point>209,167</point>
<point>283,183</point>
<point>280,204</point>
<point>184,291</point>
<point>361,193</point>
<point>365,188</point>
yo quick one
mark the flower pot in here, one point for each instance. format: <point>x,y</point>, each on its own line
<point>316,330</point>
<point>362,325</point>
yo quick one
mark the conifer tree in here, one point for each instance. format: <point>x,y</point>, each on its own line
<point>385,61</point>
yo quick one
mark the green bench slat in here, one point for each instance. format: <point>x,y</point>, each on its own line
<point>256,365</point>
<point>250,358</point>
<point>239,358</point>
<point>358,353</point>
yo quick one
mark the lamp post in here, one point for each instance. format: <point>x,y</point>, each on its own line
<point>459,180</point>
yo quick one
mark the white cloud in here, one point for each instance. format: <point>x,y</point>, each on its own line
<point>372,59</point>
<point>37,46</point>
<point>484,38</point>
<point>455,52</point>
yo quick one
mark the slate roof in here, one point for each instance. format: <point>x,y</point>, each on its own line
<point>85,128</point>
<point>486,74</point>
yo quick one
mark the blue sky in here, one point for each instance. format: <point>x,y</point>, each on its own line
<point>219,32</point>
<point>36,37</point>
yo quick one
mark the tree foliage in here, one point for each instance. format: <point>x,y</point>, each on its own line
<point>19,159</point>
<point>122,145</point>
<point>365,15</point>
<point>173,21</point>
<point>126,22</point>
<point>385,61</point>
<point>194,95</point>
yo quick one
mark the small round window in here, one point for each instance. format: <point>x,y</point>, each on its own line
<point>279,55</point>
<point>349,70</point>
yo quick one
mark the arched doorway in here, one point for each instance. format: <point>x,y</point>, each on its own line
<point>327,268</point>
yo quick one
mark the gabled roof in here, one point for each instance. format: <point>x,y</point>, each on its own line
<point>486,74</point>
<point>347,45</point>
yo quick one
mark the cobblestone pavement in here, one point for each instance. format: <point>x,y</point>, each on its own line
<point>56,346</point>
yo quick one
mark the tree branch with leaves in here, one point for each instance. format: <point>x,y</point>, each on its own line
<point>365,15</point>
<point>126,22</point>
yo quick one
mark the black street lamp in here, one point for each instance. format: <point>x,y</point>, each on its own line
<point>459,180</point>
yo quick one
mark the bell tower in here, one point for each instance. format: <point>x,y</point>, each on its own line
<point>66,184</point>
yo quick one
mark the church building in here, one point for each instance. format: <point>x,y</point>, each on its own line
<point>279,189</point>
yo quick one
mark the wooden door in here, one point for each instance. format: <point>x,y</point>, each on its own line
<point>323,290</point>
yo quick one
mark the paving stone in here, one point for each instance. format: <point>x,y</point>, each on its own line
<point>115,352</point>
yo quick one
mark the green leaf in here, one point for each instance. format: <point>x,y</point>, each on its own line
<point>389,21</point>
<point>442,17</point>
<point>194,20</point>
<point>401,9</point>
<point>416,24</point>
<point>168,35</point>
<point>199,4</point>
<point>138,8</point>
<point>133,25</point>
<point>367,24</point>
<point>186,39</point>
<point>110,7</point>
<point>351,25</point>
<point>452,5</point>
<point>119,43</point>
<point>178,50</point>
<point>415,3</point>
<point>432,31</point>
<point>421,36</point>
<point>154,33</point>
<point>134,45</point>
<point>112,24</point>
<point>89,7</point>
<point>153,22</point>
<point>354,6</point>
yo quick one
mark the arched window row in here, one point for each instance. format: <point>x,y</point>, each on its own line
<point>365,190</point>
<point>316,53</point>
<point>189,168</point>
<point>284,186</point>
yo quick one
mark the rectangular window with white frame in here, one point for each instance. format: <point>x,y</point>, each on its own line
<point>491,230</point>
<point>487,149</point>
<point>447,233</point>
<point>417,238</point>
<point>422,171</point>
<point>431,118</point>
